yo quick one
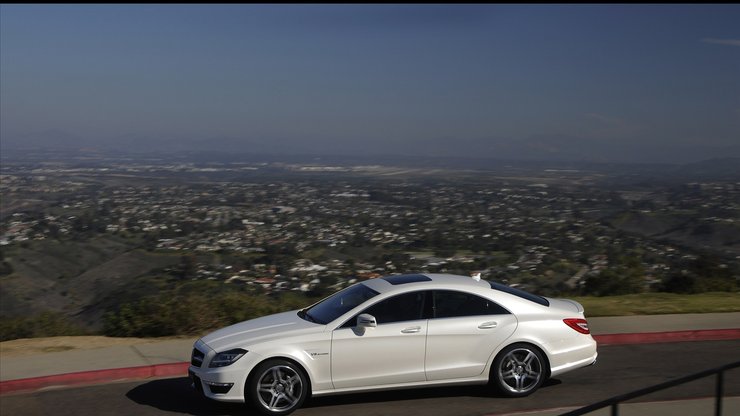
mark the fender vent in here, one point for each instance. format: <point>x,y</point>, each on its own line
<point>196,359</point>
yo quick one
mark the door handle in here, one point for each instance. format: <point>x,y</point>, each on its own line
<point>411,330</point>
<point>488,325</point>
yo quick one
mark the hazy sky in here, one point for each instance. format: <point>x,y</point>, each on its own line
<point>595,82</point>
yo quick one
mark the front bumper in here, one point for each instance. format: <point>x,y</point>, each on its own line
<point>224,384</point>
<point>213,388</point>
<point>217,384</point>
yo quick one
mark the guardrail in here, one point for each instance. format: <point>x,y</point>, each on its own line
<point>616,400</point>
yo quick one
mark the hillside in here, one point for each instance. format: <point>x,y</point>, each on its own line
<point>681,228</point>
<point>69,277</point>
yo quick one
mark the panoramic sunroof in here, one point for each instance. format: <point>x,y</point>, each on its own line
<point>406,278</point>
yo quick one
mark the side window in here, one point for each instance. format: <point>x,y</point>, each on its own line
<point>405,307</point>
<point>450,304</point>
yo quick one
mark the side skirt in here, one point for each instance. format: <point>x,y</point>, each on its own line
<point>436,383</point>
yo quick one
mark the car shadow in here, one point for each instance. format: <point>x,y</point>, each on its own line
<point>176,395</point>
<point>482,391</point>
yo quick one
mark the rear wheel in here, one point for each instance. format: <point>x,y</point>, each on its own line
<point>519,370</point>
<point>278,387</point>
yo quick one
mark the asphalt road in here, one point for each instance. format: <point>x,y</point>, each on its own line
<point>620,369</point>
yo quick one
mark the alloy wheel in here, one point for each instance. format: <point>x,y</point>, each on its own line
<point>520,371</point>
<point>279,388</point>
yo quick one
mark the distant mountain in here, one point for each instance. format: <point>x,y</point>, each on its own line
<point>577,149</point>
<point>717,168</point>
<point>555,148</point>
<point>482,154</point>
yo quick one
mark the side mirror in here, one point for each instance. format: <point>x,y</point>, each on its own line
<point>366,321</point>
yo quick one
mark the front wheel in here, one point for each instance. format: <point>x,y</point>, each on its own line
<point>278,387</point>
<point>519,370</point>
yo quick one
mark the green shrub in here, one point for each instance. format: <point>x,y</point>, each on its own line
<point>193,313</point>
<point>45,324</point>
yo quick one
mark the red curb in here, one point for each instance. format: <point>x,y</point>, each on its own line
<point>181,369</point>
<point>673,336</point>
<point>95,376</point>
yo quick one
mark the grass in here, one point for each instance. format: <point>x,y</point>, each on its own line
<point>660,303</point>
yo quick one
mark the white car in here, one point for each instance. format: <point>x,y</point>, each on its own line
<point>395,332</point>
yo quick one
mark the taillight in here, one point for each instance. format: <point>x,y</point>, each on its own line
<point>578,324</point>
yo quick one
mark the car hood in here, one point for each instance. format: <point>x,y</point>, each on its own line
<point>247,333</point>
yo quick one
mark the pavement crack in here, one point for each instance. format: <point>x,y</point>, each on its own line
<point>140,354</point>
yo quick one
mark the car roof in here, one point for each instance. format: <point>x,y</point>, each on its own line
<point>437,281</point>
<point>404,282</point>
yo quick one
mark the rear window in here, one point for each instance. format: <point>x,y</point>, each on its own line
<point>520,293</point>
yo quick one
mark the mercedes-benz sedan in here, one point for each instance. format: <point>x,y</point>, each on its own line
<point>395,332</point>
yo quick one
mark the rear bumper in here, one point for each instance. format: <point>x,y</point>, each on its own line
<point>583,354</point>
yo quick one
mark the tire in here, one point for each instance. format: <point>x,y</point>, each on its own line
<point>277,387</point>
<point>519,370</point>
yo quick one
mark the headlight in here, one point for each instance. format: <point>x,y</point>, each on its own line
<point>225,358</point>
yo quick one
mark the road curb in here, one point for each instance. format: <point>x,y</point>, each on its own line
<point>671,336</point>
<point>181,368</point>
<point>93,377</point>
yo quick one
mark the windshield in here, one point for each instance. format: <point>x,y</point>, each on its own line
<point>337,304</point>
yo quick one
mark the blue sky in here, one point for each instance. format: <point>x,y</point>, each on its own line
<point>583,82</point>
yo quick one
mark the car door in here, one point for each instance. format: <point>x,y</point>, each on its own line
<point>390,353</point>
<point>463,333</point>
